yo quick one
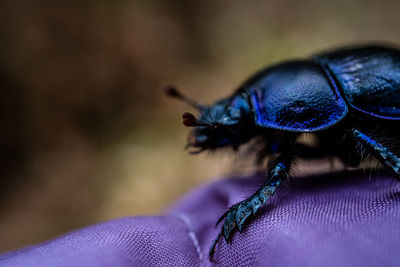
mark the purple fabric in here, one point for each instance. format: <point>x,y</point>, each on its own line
<point>343,219</point>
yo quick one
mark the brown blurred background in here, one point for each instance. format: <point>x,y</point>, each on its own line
<point>86,133</point>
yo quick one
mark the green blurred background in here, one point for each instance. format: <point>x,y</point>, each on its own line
<point>86,132</point>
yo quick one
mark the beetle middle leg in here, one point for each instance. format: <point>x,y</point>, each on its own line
<point>238,214</point>
<point>383,153</point>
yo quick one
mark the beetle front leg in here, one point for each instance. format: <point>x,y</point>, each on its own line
<point>239,213</point>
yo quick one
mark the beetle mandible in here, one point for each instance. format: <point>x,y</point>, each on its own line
<point>348,98</point>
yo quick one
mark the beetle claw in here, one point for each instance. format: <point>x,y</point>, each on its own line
<point>222,217</point>
<point>212,248</point>
<point>235,219</point>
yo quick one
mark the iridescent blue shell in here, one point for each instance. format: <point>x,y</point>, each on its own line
<point>369,78</point>
<point>295,96</point>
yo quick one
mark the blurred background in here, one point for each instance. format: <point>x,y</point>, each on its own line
<point>86,132</point>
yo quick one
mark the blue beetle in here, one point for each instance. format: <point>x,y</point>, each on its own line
<point>348,98</point>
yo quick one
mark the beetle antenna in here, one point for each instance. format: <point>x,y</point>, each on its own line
<point>173,92</point>
<point>189,120</point>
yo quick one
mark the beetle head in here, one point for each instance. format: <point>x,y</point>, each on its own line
<point>220,125</point>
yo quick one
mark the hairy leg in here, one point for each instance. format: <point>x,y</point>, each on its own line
<point>383,153</point>
<point>239,213</point>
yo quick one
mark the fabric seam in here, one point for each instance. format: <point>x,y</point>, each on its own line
<point>191,235</point>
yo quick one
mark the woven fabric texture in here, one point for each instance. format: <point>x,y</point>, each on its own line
<point>340,219</point>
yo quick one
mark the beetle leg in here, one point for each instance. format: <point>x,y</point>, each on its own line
<point>238,214</point>
<point>383,153</point>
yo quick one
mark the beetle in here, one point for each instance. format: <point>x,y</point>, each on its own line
<point>348,98</point>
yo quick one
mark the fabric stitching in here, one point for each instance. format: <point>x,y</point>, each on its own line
<point>191,235</point>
